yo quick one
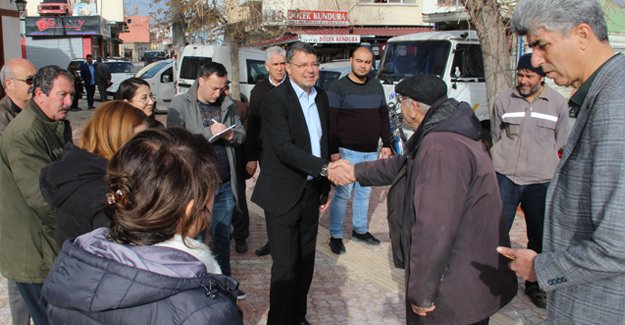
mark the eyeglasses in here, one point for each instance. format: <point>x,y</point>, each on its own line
<point>29,80</point>
<point>145,97</point>
<point>314,65</point>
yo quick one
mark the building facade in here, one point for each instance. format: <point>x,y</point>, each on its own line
<point>92,28</point>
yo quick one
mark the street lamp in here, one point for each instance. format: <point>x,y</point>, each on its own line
<point>21,5</point>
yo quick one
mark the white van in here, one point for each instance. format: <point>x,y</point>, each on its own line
<point>455,56</point>
<point>251,66</point>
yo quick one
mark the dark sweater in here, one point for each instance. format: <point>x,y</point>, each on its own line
<point>358,116</point>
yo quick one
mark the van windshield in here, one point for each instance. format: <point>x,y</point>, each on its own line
<point>151,70</point>
<point>410,58</point>
<point>190,66</point>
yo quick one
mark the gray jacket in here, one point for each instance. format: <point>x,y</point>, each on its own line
<point>583,261</point>
<point>527,136</point>
<point>185,113</point>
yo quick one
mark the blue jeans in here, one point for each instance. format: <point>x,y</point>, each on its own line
<point>342,194</point>
<point>532,200</point>
<point>220,226</point>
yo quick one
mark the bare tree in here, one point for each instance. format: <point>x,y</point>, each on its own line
<point>490,20</point>
<point>239,23</point>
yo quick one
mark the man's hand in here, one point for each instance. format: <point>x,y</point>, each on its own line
<point>217,127</point>
<point>422,311</point>
<point>324,207</point>
<point>385,152</point>
<point>250,167</point>
<point>341,172</point>
<point>522,261</point>
<point>335,156</point>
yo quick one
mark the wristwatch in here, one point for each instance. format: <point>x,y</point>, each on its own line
<point>324,170</point>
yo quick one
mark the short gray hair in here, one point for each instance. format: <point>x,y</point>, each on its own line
<point>45,77</point>
<point>274,50</point>
<point>5,74</point>
<point>559,16</point>
<point>301,47</point>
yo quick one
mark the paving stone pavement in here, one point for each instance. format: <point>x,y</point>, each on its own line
<point>360,287</point>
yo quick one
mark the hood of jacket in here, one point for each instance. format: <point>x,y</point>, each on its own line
<point>77,167</point>
<point>447,115</point>
<point>84,281</point>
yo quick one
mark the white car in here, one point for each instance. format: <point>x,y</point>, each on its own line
<point>332,71</point>
<point>120,71</point>
<point>160,76</point>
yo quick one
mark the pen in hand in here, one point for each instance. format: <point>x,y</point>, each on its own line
<point>214,121</point>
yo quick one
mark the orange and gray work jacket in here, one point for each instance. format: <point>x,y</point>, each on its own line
<point>527,136</point>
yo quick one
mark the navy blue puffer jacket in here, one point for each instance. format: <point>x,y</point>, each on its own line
<point>83,288</point>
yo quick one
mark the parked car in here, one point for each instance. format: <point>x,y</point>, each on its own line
<point>120,69</point>
<point>332,71</point>
<point>153,56</point>
<point>76,62</point>
<point>54,7</point>
<point>160,76</point>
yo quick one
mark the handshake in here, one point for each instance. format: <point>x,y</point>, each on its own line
<point>341,172</point>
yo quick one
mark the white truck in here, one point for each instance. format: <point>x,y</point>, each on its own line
<point>251,66</point>
<point>454,56</point>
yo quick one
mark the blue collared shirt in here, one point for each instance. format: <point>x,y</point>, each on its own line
<point>92,72</point>
<point>311,114</point>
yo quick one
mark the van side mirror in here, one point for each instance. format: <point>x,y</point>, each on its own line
<point>165,78</point>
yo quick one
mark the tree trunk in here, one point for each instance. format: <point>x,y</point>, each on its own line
<point>178,31</point>
<point>491,30</point>
<point>235,85</point>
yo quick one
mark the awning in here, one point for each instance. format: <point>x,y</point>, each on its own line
<point>294,35</point>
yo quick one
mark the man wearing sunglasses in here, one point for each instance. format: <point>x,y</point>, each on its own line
<point>17,77</point>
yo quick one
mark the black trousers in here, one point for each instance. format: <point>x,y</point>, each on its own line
<point>293,238</point>
<point>90,93</point>
<point>240,215</point>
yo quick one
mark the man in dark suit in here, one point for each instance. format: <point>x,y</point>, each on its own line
<point>87,73</point>
<point>293,183</point>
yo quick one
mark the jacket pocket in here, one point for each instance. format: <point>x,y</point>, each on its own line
<point>512,128</point>
<point>547,124</point>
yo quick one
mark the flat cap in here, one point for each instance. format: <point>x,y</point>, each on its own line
<point>424,88</point>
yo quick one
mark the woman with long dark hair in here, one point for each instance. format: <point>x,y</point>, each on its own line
<point>137,92</point>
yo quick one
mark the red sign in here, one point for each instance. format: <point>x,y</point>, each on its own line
<point>317,18</point>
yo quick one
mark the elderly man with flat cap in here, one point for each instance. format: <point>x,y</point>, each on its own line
<point>446,188</point>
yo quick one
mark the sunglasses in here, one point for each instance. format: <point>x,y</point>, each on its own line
<point>29,81</point>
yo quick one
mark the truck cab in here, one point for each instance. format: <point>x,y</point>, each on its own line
<point>454,56</point>
<point>251,66</point>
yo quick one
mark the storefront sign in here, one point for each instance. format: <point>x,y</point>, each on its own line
<point>329,38</point>
<point>65,25</point>
<point>317,18</point>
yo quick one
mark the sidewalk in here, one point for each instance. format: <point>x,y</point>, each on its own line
<point>360,287</point>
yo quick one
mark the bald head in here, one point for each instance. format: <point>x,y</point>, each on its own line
<point>17,77</point>
<point>362,63</point>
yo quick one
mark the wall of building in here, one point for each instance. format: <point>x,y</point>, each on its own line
<point>10,38</point>
<point>360,12</point>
